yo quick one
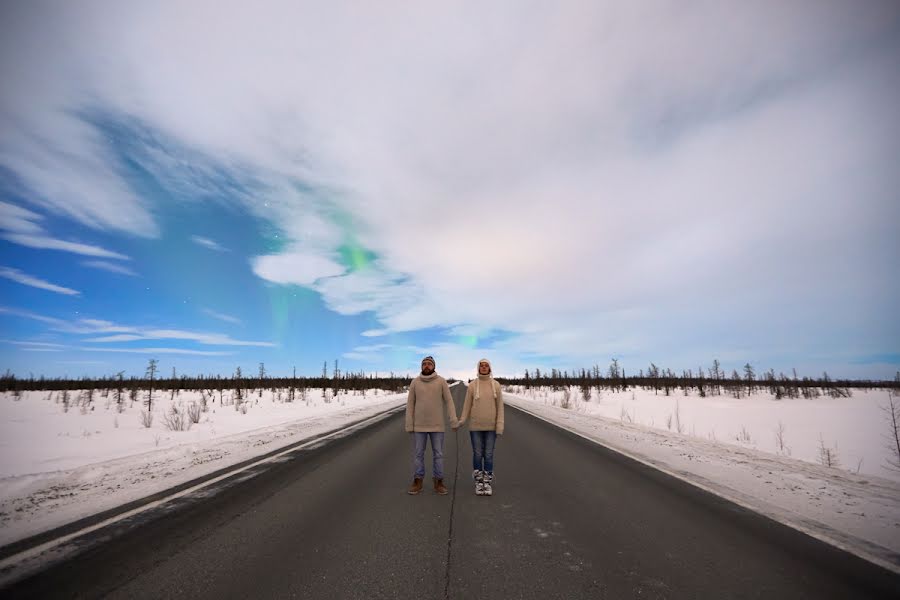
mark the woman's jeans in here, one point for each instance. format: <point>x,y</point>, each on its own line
<point>483,450</point>
<point>420,438</point>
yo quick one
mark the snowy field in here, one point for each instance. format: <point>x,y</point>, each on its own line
<point>849,433</point>
<point>59,464</point>
<point>730,447</point>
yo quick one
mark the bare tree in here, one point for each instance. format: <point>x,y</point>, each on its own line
<point>119,396</point>
<point>827,456</point>
<point>779,440</point>
<point>716,375</point>
<point>679,426</point>
<point>614,373</point>
<point>262,376</point>
<point>892,412</point>
<point>238,388</point>
<point>336,383</point>
<point>750,378</point>
<point>150,374</point>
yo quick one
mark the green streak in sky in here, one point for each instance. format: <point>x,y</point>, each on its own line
<point>469,341</point>
<point>354,256</point>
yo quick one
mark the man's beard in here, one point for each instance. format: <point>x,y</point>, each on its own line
<point>427,370</point>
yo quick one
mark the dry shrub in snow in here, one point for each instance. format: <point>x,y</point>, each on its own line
<point>146,418</point>
<point>566,398</point>
<point>781,447</point>
<point>679,426</point>
<point>827,456</point>
<point>176,420</point>
<point>892,412</point>
<point>586,393</point>
<point>194,411</point>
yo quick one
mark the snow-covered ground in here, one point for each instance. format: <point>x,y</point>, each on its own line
<point>60,464</point>
<point>730,447</point>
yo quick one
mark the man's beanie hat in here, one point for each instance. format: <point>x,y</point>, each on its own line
<point>431,358</point>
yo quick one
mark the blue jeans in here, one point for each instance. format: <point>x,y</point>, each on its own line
<point>420,438</point>
<point>483,450</point>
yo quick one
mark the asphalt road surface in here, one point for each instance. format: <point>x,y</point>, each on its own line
<point>568,519</point>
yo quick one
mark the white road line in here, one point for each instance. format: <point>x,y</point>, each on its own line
<point>13,560</point>
<point>796,526</point>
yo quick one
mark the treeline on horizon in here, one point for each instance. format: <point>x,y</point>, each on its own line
<point>713,381</point>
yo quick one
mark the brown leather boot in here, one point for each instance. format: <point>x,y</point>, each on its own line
<point>439,487</point>
<point>416,486</point>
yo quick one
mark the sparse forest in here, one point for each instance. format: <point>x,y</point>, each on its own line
<point>711,381</point>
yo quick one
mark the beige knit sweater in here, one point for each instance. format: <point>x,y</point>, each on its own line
<point>486,412</point>
<point>423,404</point>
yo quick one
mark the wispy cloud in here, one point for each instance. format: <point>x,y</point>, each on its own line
<point>116,338</point>
<point>159,351</point>
<point>375,332</point>
<point>130,333</point>
<point>25,279</point>
<point>122,333</point>
<point>25,314</point>
<point>36,344</point>
<point>211,339</point>
<point>208,243</point>
<point>108,266</point>
<point>48,243</point>
<point>222,316</point>
<point>18,219</point>
<point>20,226</point>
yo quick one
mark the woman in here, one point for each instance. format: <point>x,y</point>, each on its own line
<point>484,404</point>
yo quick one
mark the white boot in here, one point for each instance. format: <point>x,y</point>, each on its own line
<point>487,480</point>
<point>478,476</point>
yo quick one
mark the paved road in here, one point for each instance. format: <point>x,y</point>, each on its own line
<point>568,519</point>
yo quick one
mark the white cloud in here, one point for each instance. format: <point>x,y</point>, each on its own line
<point>122,333</point>
<point>295,267</point>
<point>123,337</point>
<point>20,226</point>
<point>108,266</point>
<point>593,177</point>
<point>371,354</point>
<point>37,344</point>
<point>374,332</point>
<point>48,243</point>
<point>25,314</point>
<point>20,220</point>
<point>159,351</point>
<point>25,279</point>
<point>212,339</point>
<point>208,243</point>
<point>222,316</point>
<point>371,289</point>
<point>142,333</point>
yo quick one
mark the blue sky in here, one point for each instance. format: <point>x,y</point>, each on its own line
<point>217,185</point>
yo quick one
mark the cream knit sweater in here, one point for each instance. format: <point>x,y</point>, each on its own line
<point>423,404</point>
<point>484,405</point>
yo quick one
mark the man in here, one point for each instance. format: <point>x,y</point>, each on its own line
<point>425,420</point>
